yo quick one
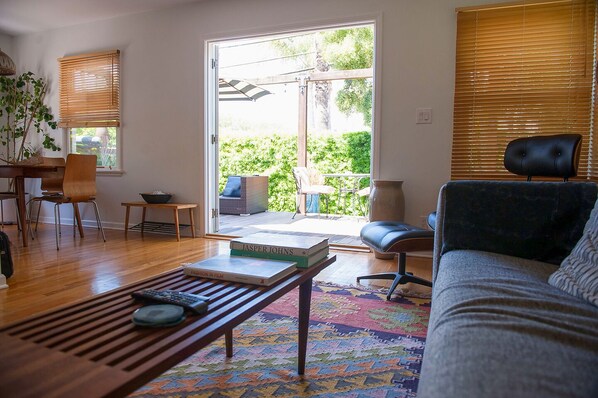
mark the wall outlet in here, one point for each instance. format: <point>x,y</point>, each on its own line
<point>424,116</point>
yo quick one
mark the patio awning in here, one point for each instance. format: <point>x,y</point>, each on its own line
<point>239,90</point>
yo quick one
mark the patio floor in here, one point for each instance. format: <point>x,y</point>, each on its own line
<point>340,229</point>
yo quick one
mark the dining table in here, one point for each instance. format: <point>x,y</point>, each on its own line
<point>18,173</point>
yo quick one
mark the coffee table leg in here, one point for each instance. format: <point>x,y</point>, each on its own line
<point>304,308</point>
<point>228,341</point>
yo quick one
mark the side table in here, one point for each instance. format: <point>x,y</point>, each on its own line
<point>175,207</point>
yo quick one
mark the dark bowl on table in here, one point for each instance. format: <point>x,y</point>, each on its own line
<point>156,198</point>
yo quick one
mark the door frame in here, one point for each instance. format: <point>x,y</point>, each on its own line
<point>211,169</point>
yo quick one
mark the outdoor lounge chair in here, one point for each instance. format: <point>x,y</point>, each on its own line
<point>244,195</point>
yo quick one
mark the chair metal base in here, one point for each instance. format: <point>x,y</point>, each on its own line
<point>399,278</point>
<point>57,218</point>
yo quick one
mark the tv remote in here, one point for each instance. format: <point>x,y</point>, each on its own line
<point>193,302</point>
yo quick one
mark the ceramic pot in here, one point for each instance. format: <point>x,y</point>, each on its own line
<point>387,203</point>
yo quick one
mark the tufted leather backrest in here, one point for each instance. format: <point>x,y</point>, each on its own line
<point>544,156</point>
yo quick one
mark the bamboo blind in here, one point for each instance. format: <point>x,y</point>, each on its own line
<point>522,70</point>
<point>89,90</point>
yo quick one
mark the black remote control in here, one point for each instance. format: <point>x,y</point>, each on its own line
<point>193,302</point>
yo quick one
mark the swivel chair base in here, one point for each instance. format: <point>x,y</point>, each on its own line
<point>398,278</point>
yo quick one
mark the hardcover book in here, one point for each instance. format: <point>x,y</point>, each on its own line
<point>290,245</point>
<point>255,271</point>
<point>302,261</point>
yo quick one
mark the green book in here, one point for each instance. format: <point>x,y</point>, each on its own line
<point>302,261</point>
<point>290,245</point>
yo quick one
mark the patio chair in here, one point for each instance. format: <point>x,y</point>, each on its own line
<point>244,195</point>
<point>305,187</point>
<point>364,204</point>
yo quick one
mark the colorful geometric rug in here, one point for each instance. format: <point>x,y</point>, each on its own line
<point>359,345</point>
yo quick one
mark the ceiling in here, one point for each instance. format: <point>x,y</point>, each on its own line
<point>27,16</point>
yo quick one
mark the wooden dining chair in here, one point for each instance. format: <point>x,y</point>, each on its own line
<point>78,186</point>
<point>49,186</point>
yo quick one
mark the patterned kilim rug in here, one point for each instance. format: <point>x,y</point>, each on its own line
<point>359,345</point>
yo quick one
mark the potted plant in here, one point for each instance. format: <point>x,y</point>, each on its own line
<point>23,112</point>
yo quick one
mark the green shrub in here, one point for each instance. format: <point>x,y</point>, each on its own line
<point>275,156</point>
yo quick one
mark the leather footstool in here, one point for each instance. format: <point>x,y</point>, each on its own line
<point>397,237</point>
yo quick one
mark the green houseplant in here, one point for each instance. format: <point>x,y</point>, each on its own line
<point>23,112</point>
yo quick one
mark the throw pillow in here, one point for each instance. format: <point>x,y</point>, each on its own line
<point>578,274</point>
<point>233,187</point>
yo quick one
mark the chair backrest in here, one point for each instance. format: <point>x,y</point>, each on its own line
<point>301,178</point>
<point>79,184</point>
<point>544,156</point>
<point>52,184</point>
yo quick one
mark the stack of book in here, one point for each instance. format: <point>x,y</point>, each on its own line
<point>304,250</point>
<point>262,258</point>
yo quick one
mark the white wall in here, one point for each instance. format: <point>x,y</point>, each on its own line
<point>163,81</point>
<point>6,45</point>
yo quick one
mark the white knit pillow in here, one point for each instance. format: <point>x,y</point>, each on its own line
<point>578,274</point>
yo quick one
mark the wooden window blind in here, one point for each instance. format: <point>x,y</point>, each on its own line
<point>90,90</point>
<point>522,69</point>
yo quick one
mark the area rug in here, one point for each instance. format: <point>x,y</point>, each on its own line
<point>359,345</point>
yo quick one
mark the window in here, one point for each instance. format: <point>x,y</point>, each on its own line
<point>522,70</point>
<point>90,105</point>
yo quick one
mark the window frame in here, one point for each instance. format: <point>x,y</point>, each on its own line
<point>90,87</point>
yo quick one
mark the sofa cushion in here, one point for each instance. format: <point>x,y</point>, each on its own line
<point>578,274</point>
<point>232,187</point>
<point>498,329</point>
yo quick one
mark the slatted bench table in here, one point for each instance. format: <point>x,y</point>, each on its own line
<point>93,349</point>
<point>174,207</point>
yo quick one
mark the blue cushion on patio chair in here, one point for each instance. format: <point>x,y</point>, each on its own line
<point>233,187</point>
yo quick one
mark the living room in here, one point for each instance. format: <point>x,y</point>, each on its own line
<point>163,81</point>
<point>164,130</point>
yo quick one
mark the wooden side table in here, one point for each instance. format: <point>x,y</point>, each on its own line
<point>175,207</point>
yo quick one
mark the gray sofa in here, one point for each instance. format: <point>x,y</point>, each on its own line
<point>497,327</point>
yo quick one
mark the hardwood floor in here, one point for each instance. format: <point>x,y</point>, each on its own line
<point>46,278</point>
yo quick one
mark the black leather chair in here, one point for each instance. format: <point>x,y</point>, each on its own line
<point>397,237</point>
<point>544,156</point>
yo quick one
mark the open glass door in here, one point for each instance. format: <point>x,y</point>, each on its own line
<point>211,155</point>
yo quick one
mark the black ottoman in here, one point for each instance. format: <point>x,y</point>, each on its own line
<point>397,237</point>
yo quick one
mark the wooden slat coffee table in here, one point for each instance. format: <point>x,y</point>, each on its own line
<point>92,348</point>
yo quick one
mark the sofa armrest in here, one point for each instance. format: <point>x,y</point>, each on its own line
<point>534,220</point>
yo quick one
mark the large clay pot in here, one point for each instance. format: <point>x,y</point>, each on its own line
<point>387,203</point>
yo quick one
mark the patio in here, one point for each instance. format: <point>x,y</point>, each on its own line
<point>341,230</point>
